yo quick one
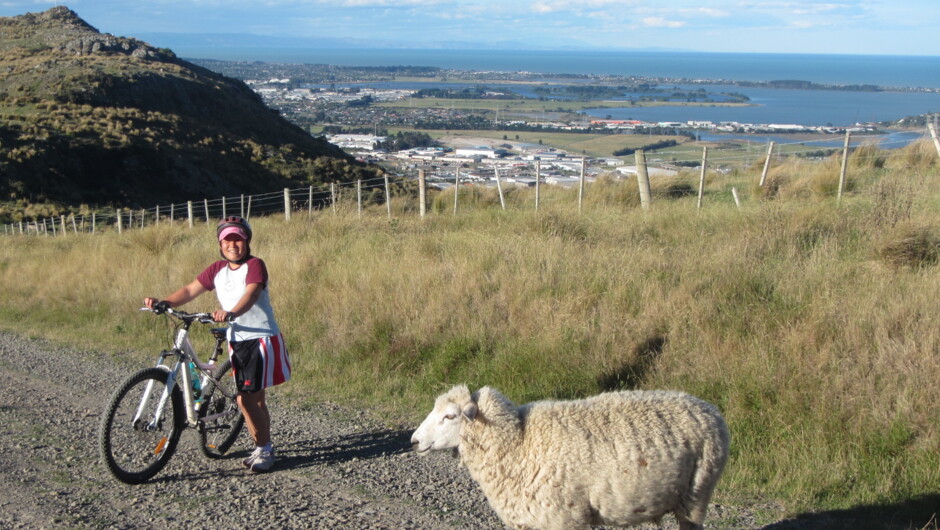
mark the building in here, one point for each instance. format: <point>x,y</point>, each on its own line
<point>631,171</point>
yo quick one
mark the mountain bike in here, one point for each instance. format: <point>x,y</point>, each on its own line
<point>142,423</point>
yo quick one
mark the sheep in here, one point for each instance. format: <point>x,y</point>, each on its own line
<point>615,459</point>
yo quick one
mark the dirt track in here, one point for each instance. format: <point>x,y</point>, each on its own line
<point>336,467</point>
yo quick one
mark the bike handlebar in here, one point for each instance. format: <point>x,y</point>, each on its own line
<point>160,308</point>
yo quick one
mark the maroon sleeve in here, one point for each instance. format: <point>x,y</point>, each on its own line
<point>257,272</point>
<point>207,277</point>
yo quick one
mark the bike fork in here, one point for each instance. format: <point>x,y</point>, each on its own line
<point>161,406</point>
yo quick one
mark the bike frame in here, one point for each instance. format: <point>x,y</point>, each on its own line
<point>184,353</point>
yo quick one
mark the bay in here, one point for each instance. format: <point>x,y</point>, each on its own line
<point>789,106</point>
<point>810,108</point>
<point>839,108</point>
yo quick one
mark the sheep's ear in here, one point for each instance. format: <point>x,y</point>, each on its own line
<point>470,411</point>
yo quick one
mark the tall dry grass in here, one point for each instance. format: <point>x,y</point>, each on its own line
<point>812,324</point>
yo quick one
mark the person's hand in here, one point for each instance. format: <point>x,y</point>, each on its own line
<point>149,302</point>
<point>221,315</point>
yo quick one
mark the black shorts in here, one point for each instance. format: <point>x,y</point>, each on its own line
<point>247,364</point>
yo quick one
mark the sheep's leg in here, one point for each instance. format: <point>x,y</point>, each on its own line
<point>687,521</point>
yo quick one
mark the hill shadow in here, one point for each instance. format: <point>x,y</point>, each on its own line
<point>917,513</point>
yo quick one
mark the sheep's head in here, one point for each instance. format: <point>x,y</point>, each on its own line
<point>441,429</point>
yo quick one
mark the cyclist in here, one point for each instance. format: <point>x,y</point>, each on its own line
<point>256,346</point>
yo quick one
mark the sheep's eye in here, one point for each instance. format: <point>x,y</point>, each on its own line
<point>449,416</point>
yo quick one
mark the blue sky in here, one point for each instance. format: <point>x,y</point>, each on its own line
<point>892,27</point>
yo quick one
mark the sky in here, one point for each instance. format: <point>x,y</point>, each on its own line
<point>865,27</point>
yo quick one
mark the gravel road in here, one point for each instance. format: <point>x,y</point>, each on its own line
<point>336,467</point>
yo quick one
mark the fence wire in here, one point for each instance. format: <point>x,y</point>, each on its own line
<point>364,192</point>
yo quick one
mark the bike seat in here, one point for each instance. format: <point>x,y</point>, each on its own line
<point>219,333</point>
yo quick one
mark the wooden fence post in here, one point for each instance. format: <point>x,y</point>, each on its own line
<point>499,187</point>
<point>65,230</point>
<point>845,165</point>
<point>933,134</point>
<point>422,194</point>
<point>119,221</point>
<point>189,212</point>
<point>538,179</point>
<point>74,226</point>
<point>770,153</point>
<point>456,187</point>
<point>248,210</point>
<point>143,216</point>
<point>286,204</point>
<point>643,179</point>
<point>359,196</point>
<point>310,202</point>
<point>701,178</point>
<point>241,203</point>
<point>581,186</point>
<point>224,213</point>
<point>156,215</point>
<point>172,212</point>
<point>734,193</point>
<point>388,196</point>
<point>93,224</point>
<point>205,205</point>
<point>333,197</point>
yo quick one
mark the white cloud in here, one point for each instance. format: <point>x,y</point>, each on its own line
<point>709,12</point>
<point>659,22</point>
<point>380,3</point>
<point>553,6</point>
<point>542,8</point>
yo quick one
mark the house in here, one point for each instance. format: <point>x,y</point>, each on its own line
<point>631,171</point>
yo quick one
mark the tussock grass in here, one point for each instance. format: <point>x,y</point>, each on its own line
<point>811,323</point>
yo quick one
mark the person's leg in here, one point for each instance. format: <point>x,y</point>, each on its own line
<point>255,410</point>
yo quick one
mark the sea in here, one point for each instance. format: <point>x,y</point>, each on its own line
<point>911,83</point>
<point>880,70</point>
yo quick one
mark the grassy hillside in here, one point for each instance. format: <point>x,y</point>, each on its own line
<point>812,323</point>
<point>90,118</point>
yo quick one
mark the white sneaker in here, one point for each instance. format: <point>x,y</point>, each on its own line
<point>251,458</point>
<point>263,462</point>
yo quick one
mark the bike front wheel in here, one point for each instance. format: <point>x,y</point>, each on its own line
<point>141,426</point>
<point>220,419</point>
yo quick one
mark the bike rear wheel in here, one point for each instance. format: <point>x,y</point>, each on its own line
<point>219,434</point>
<point>134,450</point>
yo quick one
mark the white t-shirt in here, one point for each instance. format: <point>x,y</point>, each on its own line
<point>230,285</point>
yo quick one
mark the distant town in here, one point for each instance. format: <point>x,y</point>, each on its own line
<point>355,107</point>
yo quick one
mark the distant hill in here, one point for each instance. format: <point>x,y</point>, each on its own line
<point>90,118</point>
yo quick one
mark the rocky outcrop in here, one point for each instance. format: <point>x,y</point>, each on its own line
<point>108,44</point>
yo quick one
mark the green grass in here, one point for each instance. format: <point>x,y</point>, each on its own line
<point>811,322</point>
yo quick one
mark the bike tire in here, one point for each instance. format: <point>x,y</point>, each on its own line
<point>135,453</point>
<point>218,436</point>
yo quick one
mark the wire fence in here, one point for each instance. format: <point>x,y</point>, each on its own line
<point>380,190</point>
